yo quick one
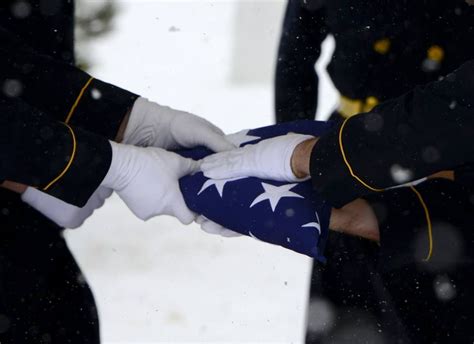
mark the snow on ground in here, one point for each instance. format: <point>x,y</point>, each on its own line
<point>161,281</point>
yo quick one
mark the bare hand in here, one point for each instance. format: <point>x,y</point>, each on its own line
<point>15,187</point>
<point>356,218</point>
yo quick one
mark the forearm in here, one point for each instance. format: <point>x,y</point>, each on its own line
<point>300,159</point>
<point>405,221</point>
<point>15,187</point>
<point>62,160</point>
<point>357,219</point>
<point>65,92</point>
<point>121,131</point>
<point>420,133</point>
<point>300,164</point>
<point>426,224</point>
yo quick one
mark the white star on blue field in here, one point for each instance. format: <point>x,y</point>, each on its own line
<point>275,193</point>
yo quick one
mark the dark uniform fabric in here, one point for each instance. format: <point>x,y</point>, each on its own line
<point>48,95</point>
<point>422,132</point>
<point>296,81</point>
<point>44,24</point>
<point>35,150</point>
<point>44,298</point>
<point>383,49</point>
<point>401,292</point>
<point>53,118</point>
<point>388,293</point>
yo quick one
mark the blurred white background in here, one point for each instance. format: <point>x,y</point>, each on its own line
<point>160,281</point>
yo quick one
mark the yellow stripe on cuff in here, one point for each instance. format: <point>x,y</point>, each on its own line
<point>420,198</point>
<point>428,222</point>
<point>341,146</point>
<point>71,159</point>
<point>78,99</point>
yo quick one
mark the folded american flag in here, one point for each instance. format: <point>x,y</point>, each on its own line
<point>291,215</point>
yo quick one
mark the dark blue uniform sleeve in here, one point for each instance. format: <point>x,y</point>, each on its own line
<point>61,90</point>
<point>55,122</point>
<point>423,224</point>
<point>424,131</point>
<point>66,162</point>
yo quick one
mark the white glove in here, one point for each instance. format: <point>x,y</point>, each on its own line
<point>154,125</point>
<point>146,179</point>
<point>268,159</point>
<point>62,213</point>
<point>211,227</point>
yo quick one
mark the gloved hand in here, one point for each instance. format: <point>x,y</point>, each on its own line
<point>146,179</point>
<point>62,213</point>
<point>268,159</point>
<point>153,125</point>
<point>211,227</point>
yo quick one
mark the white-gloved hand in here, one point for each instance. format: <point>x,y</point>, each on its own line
<point>146,179</point>
<point>211,227</point>
<point>268,159</point>
<point>153,125</point>
<point>62,213</point>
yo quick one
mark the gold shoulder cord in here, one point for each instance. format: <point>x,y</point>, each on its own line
<point>420,198</point>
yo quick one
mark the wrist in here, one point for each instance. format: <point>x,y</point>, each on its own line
<point>290,143</point>
<point>121,158</point>
<point>149,125</point>
<point>137,130</point>
<point>449,174</point>
<point>15,187</point>
<point>301,157</point>
<point>356,218</point>
<point>123,126</point>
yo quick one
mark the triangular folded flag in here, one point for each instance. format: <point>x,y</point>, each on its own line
<point>292,215</point>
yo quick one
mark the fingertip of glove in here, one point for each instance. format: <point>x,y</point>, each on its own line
<point>208,174</point>
<point>225,146</point>
<point>73,224</point>
<point>192,167</point>
<point>197,165</point>
<point>218,143</point>
<point>227,233</point>
<point>200,219</point>
<point>187,219</point>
